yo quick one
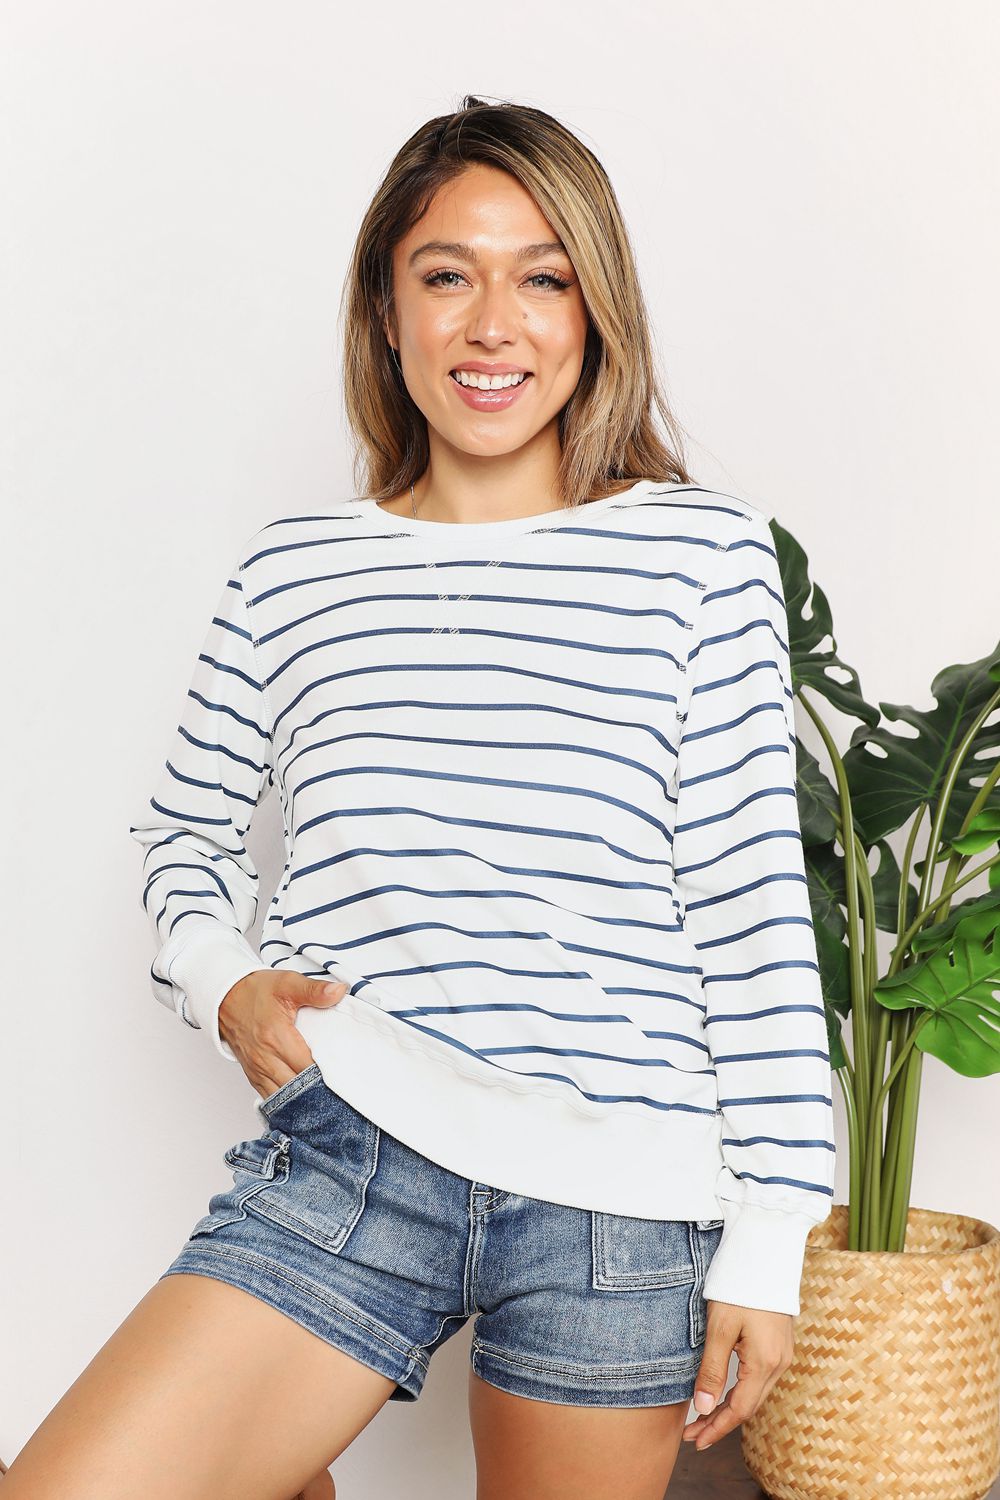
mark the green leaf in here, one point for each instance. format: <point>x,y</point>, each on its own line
<point>826,872</point>
<point>810,666</point>
<point>890,775</point>
<point>824,879</point>
<point>935,935</point>
<point>955,986</point>
<point>817,798</point>
<point>982,833</point>
<point>885,885</point>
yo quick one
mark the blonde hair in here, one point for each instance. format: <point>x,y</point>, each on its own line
<point>606,429</point>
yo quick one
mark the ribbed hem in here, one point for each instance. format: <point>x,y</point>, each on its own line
<point>758,1262</point>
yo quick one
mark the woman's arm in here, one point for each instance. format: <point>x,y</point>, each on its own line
<point>740,873</point>
<point>201,886</point>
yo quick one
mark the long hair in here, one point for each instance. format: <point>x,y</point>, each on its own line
<point>607,435</point>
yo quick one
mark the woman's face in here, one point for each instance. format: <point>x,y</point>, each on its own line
<point>479,286</point>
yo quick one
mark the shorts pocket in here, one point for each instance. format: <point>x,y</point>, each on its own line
<point>332,1153</point>
<point>631,1254</point>
<point>257,1166</point>
<point>635,1255</point>
<point>291,1087</point>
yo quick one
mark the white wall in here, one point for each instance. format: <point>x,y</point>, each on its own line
<point>812,193</point>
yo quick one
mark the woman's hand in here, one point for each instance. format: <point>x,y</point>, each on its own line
<point>257,1020</point>
<point>764,1343</point>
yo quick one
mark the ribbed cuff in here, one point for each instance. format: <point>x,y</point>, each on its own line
<point>759,1258</point>
<point>211,961</point>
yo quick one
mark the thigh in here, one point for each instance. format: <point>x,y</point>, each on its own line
<point>298,1305</point>
<point>588,1340</point>
<point>203,1391</point>
<point>554,1451</point>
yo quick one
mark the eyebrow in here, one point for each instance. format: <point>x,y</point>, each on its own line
<point>466,252</point>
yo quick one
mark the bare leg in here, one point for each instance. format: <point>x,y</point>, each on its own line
<point>555,1452</point>
<point>319,1488</point>
<point>203,1393</point>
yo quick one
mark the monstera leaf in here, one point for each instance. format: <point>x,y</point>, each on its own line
<point>888,787</point>
<point>885,884</point>
<point>816,797</point>
<point>982,833</point>
<point>929,939</point>
<point>956,986</point>
<point>810,666</point>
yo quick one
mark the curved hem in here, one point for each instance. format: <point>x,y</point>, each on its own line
<point>536,1141</point>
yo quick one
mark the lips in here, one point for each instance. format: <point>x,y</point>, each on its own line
<point>489,398</point>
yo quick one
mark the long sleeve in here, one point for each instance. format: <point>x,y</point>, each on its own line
<point>201,886</point>
<point>739,869</point>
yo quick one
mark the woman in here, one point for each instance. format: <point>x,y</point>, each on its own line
<point>535,1022</point>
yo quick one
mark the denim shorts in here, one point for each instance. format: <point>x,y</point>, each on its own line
<point>385,1255</point>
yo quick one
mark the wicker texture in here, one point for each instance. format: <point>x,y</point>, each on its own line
<point>894,1388</point>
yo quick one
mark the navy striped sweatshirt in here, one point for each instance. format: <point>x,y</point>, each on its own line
<point>537,780</point>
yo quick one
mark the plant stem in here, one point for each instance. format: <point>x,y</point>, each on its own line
<point>907,1148</point>
<point>853,1159</point>
<point>904,1100</point>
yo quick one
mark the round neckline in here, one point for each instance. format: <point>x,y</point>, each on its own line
<point>459,531</point>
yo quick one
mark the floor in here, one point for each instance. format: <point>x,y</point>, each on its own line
<point>719,1473</point>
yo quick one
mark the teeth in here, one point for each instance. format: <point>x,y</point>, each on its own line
<point>486,382</point>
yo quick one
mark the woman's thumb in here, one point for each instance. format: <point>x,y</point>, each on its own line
<point>323,992</point>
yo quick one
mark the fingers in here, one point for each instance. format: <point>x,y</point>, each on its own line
<point>738,1405</point>
<point>710,1383</point>
<point>261,1027</point>
<point>281,1053</point>
<point>319,992</point>
<point>279,1072</point>
<point>762,1343</point>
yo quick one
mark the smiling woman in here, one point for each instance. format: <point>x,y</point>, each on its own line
<point>525,698</point>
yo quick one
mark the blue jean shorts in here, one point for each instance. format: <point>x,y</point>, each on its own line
<point>385,1255</point>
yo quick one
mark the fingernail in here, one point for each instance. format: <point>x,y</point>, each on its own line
<point>334,989</point>
<point>703,1401</point>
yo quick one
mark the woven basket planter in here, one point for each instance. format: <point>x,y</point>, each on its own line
<point>893,1392</point>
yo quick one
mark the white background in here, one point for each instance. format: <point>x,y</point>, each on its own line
<point>812,193</point>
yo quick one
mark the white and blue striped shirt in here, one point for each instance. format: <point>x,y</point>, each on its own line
<point>537,779</point>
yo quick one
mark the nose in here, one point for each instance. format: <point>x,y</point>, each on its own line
<point>494,315</point>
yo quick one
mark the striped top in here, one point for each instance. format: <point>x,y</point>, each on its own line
<point>537,779</point>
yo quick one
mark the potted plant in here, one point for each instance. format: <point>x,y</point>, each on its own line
<point>894,1388</point>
